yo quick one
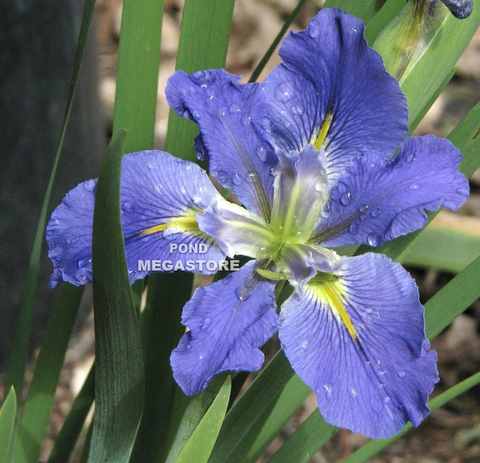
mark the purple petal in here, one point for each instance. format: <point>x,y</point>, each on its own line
<point>233,122</point>
<point>160,198</point>
<point>380,377</point>
<point>330,70</point>
<point>229,320</point>
<point>376,201</point>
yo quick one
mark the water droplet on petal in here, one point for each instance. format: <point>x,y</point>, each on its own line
<point>195,114</point>
<point>386,399</point>
<point>327,210</point>
<point>410,157</point>
<point>159,188</point>
<point>246,119</point>
<point>235,108</point>
<point>251,177</point>
<point>236,179</point>
<point>376,212</point>
<point>313,31</point>
<point>401,374</point>
<point>346,198</point>
<point>363,208</point>
<point>389,412</point>
<point>373,239</point>
<point>328,391</point>
<point>369,310</point>
<point>183,190</point>
<point>297,110</point>
<point>353,392</point>
<point>83,263</point>
<point>363,217</point>
<point>353,229</point>
<point>283,92</point>
<point>262,153</point>
<point>204,86</point>
<point>72,240</point>
<point>381,385</point>
<point>242,294</point>
<point>89,185</point>
<point>223,177</point>
<point>304,344</point>
<point>127,206</point>
<point>414,186</point>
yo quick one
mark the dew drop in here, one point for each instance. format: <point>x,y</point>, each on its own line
<point>363,208</point>
<point>206,322</point>
<point>346,198</point>
<point>414,186</point>
<point>262,153</point>
<point>363,217</point>
<point>353,229</point>
<point>159,188</point>
<point>375,213</point>
<point>195,114</point>
<point>386,399</point>
<point>223,177</point>
<point>151,165</point>
<point>242,294</point>
<point>283,92</point>
<point>410,157</point>
<point>328,391</point>
<point>235,108</point>
<point>236,179</point>
<point>127,206</point>
<point>353,392</point>
<point>183,190</point>
<point>84,263</point>
<point>369,310</point>
<point>204,85</point>
<point>389,412</point>
<point>72,240</point>
<point>304,344</point>
<point>200,357</point>
<point>373,239</point>
<point>89,185</point>
<point>313,31</point>
<point>246,119</point>
<point>297,110</point>
<point>381,385</point>
<point>251,177</point>
<point>401,374</point>
<point>327,210</point>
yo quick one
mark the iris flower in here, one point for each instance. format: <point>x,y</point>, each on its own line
<point>461,9</point>
<point>317,157</point>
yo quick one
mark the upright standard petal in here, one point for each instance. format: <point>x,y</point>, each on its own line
<point>160,199</point>
<point>357,339</point>
<point>229,320</point>
<point>333,91</point>
<point>233,122</point>
<point>376,201</point>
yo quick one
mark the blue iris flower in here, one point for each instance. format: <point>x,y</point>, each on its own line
<point>310,154</point>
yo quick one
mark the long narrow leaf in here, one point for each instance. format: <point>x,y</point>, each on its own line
<point>73,425</point>
<point>200,445</point>
<point>8,414</point>
<point>365,9</point>
<point>365,453</point>
<point>119,384</point>
<point>39,402</point>
<point>203,44</point>
<point>18,358</point>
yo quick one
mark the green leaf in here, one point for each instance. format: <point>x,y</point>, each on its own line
<point>137,75</point>
<point>364,9</point>
<point>193,414</point>
<point>453,299</point>
<point>276,41</point>
<point>386,14</point>
<point>8,414</point>
<point>448,43</point>
<point>38,405</point>
<point>203,44</point>
<point>310,436</point>
<point>119,382</point>
<point>200,445</point>
<point>449,244</point>
<point>368,451</point>
<point>19,351</point>
<point>73,425</point>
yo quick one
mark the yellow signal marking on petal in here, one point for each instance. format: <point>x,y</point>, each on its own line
<point>185,223</point>
<point>326,288</point>
<point>322,135</point>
